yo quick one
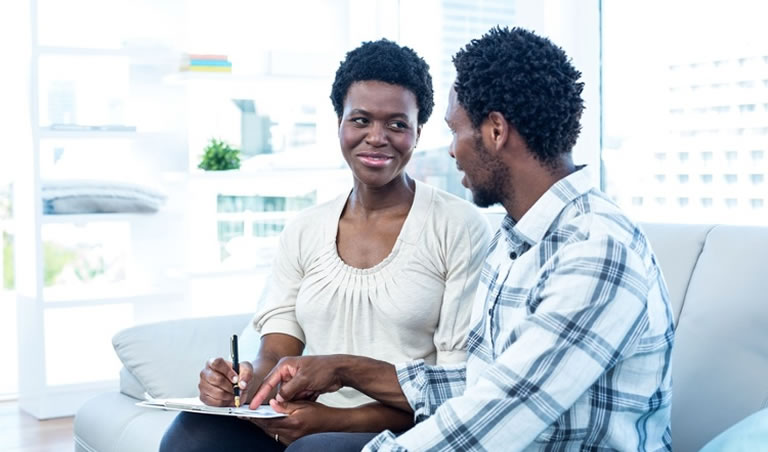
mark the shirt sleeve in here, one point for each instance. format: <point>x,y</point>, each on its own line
<point>591,312</point>
<point>465,253</point>
<point>276,312</point>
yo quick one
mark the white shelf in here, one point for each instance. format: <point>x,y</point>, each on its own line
<point>112,294</point>
<point>98,217</point>
<point>215,272</point>
<point>145,54</point>
<point>229,77</point>
<point>48,133</point>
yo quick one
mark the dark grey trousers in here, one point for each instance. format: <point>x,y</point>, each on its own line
<point>191,432</point>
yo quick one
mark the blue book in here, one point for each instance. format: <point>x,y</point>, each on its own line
<point>210,63</point>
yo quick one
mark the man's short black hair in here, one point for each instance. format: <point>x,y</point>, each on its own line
<point>530,81</point>
<point>385,61</point>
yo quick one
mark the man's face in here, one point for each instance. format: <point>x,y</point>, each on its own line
<point>484,174</point>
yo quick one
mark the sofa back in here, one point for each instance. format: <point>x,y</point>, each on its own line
<point>719,293</point>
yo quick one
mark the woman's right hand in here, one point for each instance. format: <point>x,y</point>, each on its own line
<point>217,380</point>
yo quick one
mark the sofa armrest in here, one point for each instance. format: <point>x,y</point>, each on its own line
<point>166,357</point>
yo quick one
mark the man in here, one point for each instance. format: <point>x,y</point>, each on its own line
<point>572,328</point>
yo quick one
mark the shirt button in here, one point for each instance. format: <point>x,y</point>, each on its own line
<point>513,255</point>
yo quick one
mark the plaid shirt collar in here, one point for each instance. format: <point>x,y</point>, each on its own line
<point>532,227</point>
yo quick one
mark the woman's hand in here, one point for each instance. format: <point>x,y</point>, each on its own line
<point>304,418</point>
<point>217,379</point>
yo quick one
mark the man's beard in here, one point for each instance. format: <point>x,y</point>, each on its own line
<point>493,190</point>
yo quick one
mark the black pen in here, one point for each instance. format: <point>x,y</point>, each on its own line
<point>236,368</point>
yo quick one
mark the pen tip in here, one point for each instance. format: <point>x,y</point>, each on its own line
<point>237,402</point>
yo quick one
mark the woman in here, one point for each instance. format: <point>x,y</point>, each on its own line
<point>388,270</point>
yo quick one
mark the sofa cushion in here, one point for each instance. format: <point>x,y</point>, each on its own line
<point>749,435</point>
<point>720,358</point>
<point>677,248</point>
<point>166,358</point>
<point>112,422</point>
<point>130,385</point>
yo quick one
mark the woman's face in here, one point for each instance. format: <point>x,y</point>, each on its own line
<point>378,131</point>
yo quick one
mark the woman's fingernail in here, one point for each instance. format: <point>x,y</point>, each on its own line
<point>234,379</point>
<point>242,384</point>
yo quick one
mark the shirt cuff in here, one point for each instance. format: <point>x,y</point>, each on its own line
<point>283,326</point>
<point>413,380</point>
<point>384,441</point>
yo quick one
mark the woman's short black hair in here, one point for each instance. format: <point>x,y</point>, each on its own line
<point>530,81</point>
<point>385,61</point>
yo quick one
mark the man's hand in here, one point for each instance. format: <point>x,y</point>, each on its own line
<point>217,379</point>
<point>304,418</point>
<point>300,378</point>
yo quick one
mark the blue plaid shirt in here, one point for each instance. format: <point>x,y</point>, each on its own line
<point>571,344</point>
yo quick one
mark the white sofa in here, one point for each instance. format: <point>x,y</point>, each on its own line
<point>717,286</point>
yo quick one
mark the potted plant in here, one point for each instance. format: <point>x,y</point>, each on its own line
<point>219,156</point>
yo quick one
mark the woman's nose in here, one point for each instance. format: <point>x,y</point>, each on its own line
<point>376,135</point>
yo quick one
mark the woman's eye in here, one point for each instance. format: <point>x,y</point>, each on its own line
<point>399,125</point>
<point>360,121</point>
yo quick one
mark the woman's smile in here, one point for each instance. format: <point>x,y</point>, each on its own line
<point>374,159</point>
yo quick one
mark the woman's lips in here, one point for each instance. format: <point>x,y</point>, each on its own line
<point>374,160</point>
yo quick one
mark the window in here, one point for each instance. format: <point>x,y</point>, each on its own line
<point>660,156</point>
<point>682,202</point>
<point>757,178</point>
<point>637,201</point>
<point>660,177</point>
<point>689,75</point>
<point>757,203</point>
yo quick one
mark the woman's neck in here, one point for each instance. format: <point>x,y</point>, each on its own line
<point>396,196</point>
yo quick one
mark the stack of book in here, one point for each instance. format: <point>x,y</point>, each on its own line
<point>206,63</point>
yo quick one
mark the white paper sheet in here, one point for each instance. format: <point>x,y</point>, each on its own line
<point>194,405</point>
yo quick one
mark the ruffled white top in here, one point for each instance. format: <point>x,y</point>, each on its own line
<point>414,304</point>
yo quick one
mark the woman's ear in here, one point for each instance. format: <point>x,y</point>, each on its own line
<point>418,135</point>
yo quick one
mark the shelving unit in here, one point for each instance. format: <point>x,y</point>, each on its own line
<point>65,330</point>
